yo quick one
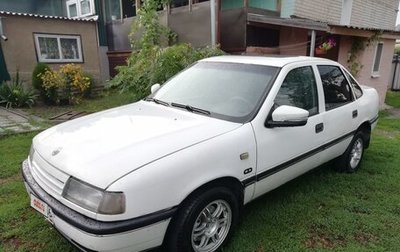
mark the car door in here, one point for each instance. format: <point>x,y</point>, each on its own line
<point>339,113</point>
<point>284,153</point>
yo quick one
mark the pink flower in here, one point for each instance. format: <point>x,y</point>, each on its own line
<point>328,44</point>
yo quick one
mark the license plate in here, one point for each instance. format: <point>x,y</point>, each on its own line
<point>39,205</point>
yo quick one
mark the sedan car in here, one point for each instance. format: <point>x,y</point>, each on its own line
<point>176,168</point>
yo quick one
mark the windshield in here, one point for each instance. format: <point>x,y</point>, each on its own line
<point>229,91</point>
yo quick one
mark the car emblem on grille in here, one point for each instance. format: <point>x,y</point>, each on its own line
<point>55,152</point>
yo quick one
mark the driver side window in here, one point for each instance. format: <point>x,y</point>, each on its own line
<point>299,89</point>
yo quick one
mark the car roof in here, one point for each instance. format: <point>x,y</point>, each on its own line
<point>276,61</point>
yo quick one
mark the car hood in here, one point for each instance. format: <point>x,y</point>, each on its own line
<point>102,147</point>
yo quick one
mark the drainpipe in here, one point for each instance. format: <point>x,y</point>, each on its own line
<point>312,46</point>
<point>218,22</point>
<point>2,35</point>
<point>213,33</point>
<point>395,80</point>
<point>4,75</point>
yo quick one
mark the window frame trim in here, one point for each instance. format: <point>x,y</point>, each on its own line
<point>69,3</point>
<point>58,37</point>
<point>79,10</point>
<point>376,74</point>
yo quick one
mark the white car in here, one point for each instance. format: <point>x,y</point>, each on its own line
<point>176,168</point>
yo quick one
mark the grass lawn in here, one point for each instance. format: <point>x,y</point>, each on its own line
<point>393,99</point>
<point>321,210</point>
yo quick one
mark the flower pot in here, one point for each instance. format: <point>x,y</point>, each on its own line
<point>319,51</point>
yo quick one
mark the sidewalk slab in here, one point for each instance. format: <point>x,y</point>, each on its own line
<point>11,121</point>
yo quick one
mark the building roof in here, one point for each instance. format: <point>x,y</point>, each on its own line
<point>85,19</point>
<point>291,22</point>
<point>362,31</point>
<point>276,61</point>
<point>364,28</point>
<point>309,24</point>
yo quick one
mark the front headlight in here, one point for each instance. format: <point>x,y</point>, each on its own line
<point>94,199</point>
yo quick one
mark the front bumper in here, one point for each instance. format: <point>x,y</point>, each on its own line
<point>91,235</point>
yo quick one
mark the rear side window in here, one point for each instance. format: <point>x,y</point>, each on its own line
<point>337,91</point>
<point>356,88</point>
<point>299,90</point>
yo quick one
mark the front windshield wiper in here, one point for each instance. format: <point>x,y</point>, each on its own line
<point>157,101</point>
<point>191,108</point>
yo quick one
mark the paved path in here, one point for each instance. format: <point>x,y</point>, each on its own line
<point>13,121</point>
<point>394,112</point>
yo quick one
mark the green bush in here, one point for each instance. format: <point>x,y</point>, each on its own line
<point>172,60</point>
<point>13,94</point>
<point>150,63</point>
<point>37,82</point>
<point>70,84</point>
<point>88,92</point>
<point>156,65</point>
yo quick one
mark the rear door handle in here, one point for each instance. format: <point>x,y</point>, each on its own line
<point>319,128</point>
<point>355,113</point>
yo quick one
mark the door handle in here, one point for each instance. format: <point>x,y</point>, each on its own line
<point>319,127</point>
<point>355,113</point>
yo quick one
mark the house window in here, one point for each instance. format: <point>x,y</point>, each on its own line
<point>86,8</point>
<point>377,60</point>
<point>58,48</point>
<point>179,3</point>
<point>113,10</point>
<point>231,4</point>
<point>128,8</point>
<point>262,4</point>
<point>72,10</point>
<point>80,8</point>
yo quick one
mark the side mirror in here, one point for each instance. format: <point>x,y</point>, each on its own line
<point>154,88</point>
<point>288,116</point>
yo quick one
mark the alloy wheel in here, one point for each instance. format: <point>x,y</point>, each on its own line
<point>211,226</point>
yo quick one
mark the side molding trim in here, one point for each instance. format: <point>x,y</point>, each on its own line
<point>287,164</point>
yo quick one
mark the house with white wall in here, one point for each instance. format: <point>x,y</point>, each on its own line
<point>352,20</point>
<point>299,27</point>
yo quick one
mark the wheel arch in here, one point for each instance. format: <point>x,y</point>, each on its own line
<point>229,182</point>
<point>365,127</point>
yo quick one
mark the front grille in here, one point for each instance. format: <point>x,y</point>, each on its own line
<point>47,176</point>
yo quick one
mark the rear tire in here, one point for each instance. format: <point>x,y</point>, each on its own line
<point>204,222</point>
<point>351,159</point>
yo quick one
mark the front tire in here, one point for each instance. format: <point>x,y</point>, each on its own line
<point>205,221</point>
<point>350,161</point>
